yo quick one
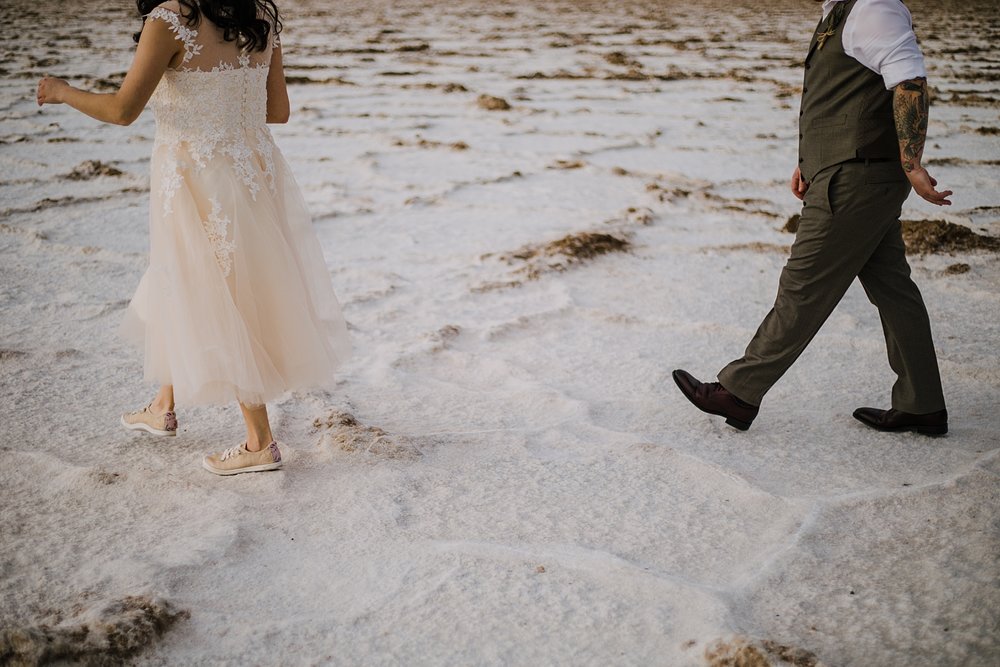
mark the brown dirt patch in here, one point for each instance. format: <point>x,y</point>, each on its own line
<point>737,653</point>
<point>794,656</point>
<point>492,103</point>
<point>106,84</point>
<point>939,236</point>
<point>958,162</point>
<point>443,87</point>
<point>308,80</point>
<point>443,337</point>
<point>971,100</point>
<point>755,246</point>
<point>621,59</point>
<point>632,74</point>
<point>533,261</point>
<point>117,631</point>
<point>558,74</point>
<point>957,269</point>
<point>568,164</point>
<point>342,431</point>
<point>923,237</point>
<point>89,169</point>
<point>430,143</point>
<point>744,652</point>
<point>563,253</point>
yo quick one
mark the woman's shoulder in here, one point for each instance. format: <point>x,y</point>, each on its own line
<point>169,10</point>
<point>169,17</point>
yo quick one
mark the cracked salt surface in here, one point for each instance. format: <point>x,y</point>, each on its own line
<point>506,475</point>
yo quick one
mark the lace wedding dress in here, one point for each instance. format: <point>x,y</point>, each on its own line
<point>237,301</point>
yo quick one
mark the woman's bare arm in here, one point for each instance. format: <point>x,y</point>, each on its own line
<point>158,49</point>
<point>277,92</point>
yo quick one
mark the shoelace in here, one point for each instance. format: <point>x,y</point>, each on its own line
<point>136,413</point>
<point>231,452</point>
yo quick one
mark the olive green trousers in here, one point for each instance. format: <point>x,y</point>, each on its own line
<point>849,228</point>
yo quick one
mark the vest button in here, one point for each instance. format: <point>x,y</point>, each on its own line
<point>801,160</point>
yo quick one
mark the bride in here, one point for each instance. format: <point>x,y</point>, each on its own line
<point>237,301</point>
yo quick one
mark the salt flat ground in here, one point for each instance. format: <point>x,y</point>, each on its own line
<point>505,473</point>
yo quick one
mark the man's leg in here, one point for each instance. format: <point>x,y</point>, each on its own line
<point>843,221</point>
<point>886,279</point>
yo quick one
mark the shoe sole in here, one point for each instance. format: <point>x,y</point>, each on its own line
<point>932,431</point>
<point>738,424</point>
<point>236,471</point>
<point>146,427</point>
<point>735,423</point>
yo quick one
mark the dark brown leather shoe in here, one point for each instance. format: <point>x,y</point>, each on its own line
<point>935,423</point>
<point>713,398</point>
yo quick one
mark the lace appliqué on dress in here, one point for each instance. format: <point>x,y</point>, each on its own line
<point>265,147</point>
<point>201,113</point>
<point>217,228</point>
<point>242,62</point>
<point>183,33</point>
<point>171,180</point>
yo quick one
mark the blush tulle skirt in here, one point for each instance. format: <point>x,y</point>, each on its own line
<point>237,302</point>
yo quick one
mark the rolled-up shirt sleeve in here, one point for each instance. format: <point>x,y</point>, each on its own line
<point>879,35</point>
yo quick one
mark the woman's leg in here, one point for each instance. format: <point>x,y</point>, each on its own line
<point>157,418</point>
<point>258,454</point>
<point>164,401</point>
<point>258,428</point>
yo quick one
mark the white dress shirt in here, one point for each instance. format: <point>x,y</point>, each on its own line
<point>879,35</point>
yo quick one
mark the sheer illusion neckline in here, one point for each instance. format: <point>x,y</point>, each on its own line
<point>204,50</point>
<point>221,68</point>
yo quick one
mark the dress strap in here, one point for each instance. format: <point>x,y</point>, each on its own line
<point>182,32</point>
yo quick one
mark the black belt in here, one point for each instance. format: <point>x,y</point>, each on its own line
<point>873,160</point>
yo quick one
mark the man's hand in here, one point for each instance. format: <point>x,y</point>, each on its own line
<point>923,184</point>
<point>799,185</point>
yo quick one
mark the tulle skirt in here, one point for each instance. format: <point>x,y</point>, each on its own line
<point>237,301</point>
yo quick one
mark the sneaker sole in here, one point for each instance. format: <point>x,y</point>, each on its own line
<point>236,471</point>
<point>146,427</point>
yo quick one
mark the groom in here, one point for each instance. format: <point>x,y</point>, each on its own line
<point>862,127</point>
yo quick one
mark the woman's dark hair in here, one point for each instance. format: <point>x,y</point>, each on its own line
<point>246,22</point>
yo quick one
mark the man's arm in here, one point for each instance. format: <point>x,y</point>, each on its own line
<point>910,106</point>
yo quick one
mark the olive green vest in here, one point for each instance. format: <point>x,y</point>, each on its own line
<point>846,110</point>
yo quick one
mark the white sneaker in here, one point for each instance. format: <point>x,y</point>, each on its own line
<point>235,460</point>
<point>144,420</point>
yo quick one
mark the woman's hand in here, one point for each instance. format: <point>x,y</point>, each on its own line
<point>50,90</point>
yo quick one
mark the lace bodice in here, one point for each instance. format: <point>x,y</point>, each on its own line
<point>212,106</point>
<point>214,102</point>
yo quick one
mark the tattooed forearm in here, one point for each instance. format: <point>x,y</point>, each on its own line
<point>910,106</point>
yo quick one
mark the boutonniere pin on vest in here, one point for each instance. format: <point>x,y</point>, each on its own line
<point>831,25</point>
